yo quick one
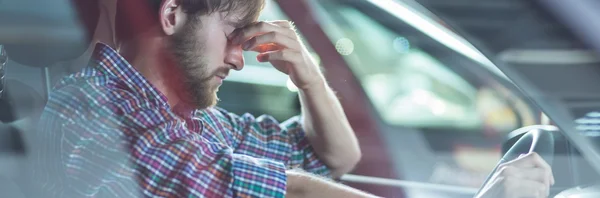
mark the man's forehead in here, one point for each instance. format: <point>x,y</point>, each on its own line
<point>236,19</point>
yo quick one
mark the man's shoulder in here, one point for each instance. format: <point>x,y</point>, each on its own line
<point>92,91</point>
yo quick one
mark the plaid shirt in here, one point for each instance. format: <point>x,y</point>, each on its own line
<point>107,132</point>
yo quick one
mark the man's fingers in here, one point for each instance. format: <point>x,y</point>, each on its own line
<point>517,187</point>
<point>266,48</point>
<point>270,38</point>
<point>282,23</point>
<point>246,33</point>
<point>533,160</point>
<point>527,176</point>
<point>289,25</point>
<point>535,174</point>
<point>281,55</point>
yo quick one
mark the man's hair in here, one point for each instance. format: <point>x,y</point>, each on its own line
<point>250,9</point>
<point>131,13</point>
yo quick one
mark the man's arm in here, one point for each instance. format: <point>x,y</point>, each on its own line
<point>327,128</point>
<point>300,184</point>
<point>265,137</point>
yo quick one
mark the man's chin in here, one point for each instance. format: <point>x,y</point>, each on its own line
<point>207,102</point>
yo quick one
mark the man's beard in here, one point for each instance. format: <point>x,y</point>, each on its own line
<point>188,50</point>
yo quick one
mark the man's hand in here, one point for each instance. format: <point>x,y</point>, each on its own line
<point>527,176</point>
<point>278,43</point>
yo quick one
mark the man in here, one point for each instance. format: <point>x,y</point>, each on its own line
<point>155,98</point>
<point>150,91</point>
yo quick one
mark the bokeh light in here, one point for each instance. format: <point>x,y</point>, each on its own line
<point>316,58</point>
<point>290,85</point>
<point>344,46</point>
<point>401,44</point>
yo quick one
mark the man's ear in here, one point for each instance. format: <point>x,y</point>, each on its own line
<point>171,16</point>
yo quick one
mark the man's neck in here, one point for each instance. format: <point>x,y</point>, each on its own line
<point>150,58</point>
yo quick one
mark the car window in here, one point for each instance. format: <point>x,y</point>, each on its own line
<point>407,85</point>
<point>458,124</point>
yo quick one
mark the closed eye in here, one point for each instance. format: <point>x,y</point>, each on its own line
<point>228,38</point>
<point>228,34</point>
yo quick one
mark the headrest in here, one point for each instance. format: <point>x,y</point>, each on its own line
<point>41,33</point>
<point>44,55</point>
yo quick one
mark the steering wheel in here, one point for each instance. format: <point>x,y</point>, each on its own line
<point>536,138</point>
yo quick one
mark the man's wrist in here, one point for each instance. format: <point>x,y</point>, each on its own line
<point>296,183</point>
<point>302,184</point>
<point>318,85</point>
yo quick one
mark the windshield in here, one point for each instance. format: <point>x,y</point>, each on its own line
<point>406,83</point>
<point>552,58</point>
<point>416,85</point>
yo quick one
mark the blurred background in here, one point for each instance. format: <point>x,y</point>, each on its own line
<point>439,114</point>
<point>426,105</point>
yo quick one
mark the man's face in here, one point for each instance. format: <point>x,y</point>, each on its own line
<point>205,55</point>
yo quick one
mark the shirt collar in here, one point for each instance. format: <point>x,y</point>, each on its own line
<point>108,61</point>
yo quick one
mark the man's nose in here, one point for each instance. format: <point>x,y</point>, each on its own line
<point>235,57</point>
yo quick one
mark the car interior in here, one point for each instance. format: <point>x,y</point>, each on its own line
<point>32,31</point>
<point>34,36</point>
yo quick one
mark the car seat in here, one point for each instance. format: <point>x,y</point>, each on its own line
<point>33,36</point>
